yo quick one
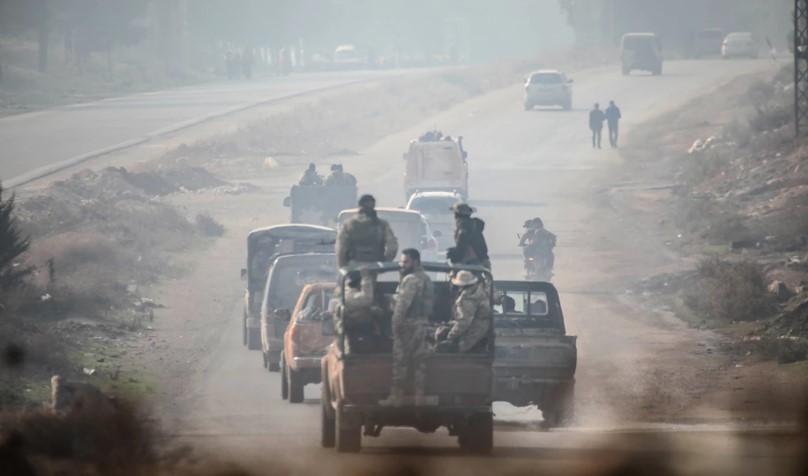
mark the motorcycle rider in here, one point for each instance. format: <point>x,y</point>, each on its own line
<point>538,242</point>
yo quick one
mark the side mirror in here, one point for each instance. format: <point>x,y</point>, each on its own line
<point>287,202</point>
<point>437,234</point>
<point>570,80</point>
<point>244,274</point>
<point>283,314</point>
<point>329,328</point>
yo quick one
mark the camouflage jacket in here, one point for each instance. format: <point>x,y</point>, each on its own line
<point>414,298</point>
<point>358,308</point>
<point>365,239</point>
<point>472,319</point>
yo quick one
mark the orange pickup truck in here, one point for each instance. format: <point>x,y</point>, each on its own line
<point>303,342</point>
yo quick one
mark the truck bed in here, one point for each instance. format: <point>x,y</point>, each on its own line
<point>452,379</point>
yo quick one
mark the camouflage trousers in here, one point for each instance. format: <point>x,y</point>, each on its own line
<point>410,353</point>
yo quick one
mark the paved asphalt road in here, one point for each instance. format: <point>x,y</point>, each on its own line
<point>522,164</point>
<point>41,139</point>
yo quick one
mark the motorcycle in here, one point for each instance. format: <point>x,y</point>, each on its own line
<point>538,266</point>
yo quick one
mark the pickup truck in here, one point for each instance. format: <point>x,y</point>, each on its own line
<point>286,278</point>
<point>535,359</point>
<point>303,342</point>
<point>459,386</point>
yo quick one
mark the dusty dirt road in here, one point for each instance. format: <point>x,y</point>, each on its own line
<point>637,368</point>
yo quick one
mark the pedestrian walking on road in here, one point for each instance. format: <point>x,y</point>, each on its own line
<point>596,118</point>
<point>613,121</point>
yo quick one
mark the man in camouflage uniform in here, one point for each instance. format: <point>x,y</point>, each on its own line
<point>365,238</point>
<point>410,320</point>
<point>339,177</point>
<point>310,176</point>
<point>472,316</point>
<point>470,246</point>
<point>356,318</point>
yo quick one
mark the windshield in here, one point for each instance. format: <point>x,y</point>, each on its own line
<point>409,229</point>
<point>739,37</point>
<point>525,303</point>
<point>287,281</point>
<point>316,304</point>
<point>546,78</point>
<point>434,205</point>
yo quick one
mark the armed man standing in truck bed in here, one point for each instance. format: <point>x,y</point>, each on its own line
<point>413,307</point>
<point>365,238</point>
<point>470,246</point>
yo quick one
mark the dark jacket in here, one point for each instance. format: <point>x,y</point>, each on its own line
<point>470,245</point>
<point>596,118</point>
<point>613,114</point>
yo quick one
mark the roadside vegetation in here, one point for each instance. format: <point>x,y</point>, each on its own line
<point>739,203</point>
<point>75,294</point>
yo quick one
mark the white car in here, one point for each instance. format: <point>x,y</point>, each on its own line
<point>409,226</point>
<point>436,208</point>
<point>346,57</point>
<point>548,87</point>
<point>739,44</point>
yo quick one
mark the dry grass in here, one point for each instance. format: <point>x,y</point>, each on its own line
<point>729,291</point>
<point>206,225</point>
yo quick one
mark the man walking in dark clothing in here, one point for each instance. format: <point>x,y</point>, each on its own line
<point>612,120</point>
<point>596,118</point>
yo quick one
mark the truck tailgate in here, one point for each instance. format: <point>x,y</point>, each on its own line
<point>453,378</point>
<point>538,357</point>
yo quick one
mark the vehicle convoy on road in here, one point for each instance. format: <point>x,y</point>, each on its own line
<point>436,207</point>
<point>436,162</point>
<point>263,246</point>
<point>286,278</point>
<point>548,87</point>
<point>535,358</point>
<point>319,204</point>
<point>409,226</point>
<point>304,343</point>
<point>459,386</point>
<point>641,51</point>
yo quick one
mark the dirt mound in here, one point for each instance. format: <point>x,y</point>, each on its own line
<point>794,322</point>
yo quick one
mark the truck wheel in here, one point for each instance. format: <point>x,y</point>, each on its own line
<point>253,339</point>
<point>348,436</point>
<point>567,104</point>
<point>528,107</point>
<point>284,384</point>
<point>328,428</point>
<point>294,384</point>
<point>478,436</point>
<point>626,71</point>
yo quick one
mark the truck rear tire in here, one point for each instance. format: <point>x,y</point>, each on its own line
<point>253,339</point>
<point>328,427</point>
<point>348,435</point>
<point>294,384</point>
<point>478,435</point>
<point>284,384</point>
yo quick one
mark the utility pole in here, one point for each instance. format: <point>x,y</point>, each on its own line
<point>801,67</point>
